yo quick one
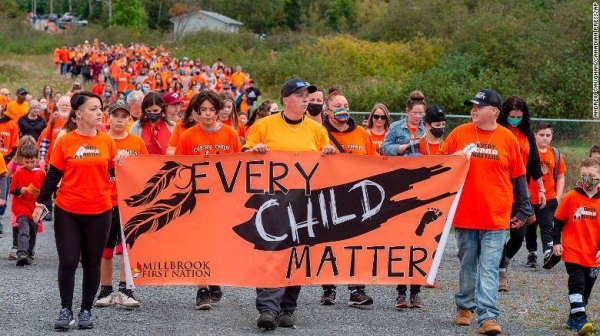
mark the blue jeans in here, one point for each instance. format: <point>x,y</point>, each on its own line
<point>479,253</point>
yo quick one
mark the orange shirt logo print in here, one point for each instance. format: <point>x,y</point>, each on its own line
<point>486,151</point>
<point>86,151</point>
<point>585,213</point>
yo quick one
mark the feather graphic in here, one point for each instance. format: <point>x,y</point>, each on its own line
<point>156,184</point>
<point>159,215</point>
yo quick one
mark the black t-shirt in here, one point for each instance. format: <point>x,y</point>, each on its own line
<point>33,127</point>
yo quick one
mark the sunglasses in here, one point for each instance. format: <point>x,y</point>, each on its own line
<point>378,117</point>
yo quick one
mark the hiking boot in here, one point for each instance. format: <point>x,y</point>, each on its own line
<point>401,302</point>
<point>415,301</point>
<point>203,299</point>
<point>358,297</point>
<point>582,326</point>
<point>105,298</point>
<point>287,319</point>
<point>13,254</point>
<point>124,297</point>
<point>489,327</point>
<point>503,283</point>
<point>267,320</point>
<point>464,317</point>
<point>65,319</point>
<point>532,260</point>
<point>215,293</point>
<point>85,319</point>
<point>22,260</point>
<point>328,297</point>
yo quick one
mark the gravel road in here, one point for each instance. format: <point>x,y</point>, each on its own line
<point>536,304</point>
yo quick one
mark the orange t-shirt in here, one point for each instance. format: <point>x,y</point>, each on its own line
<point>176,135</point>
<point>122,81</point>
<point>33,180</point>
<point>358,141</point>
<point>51,134</point>
<point>377,140</point>
<point>99,89</point>
<point>9,136</point>
<point>134,145</point>
<point>85,187</point>
<point>3,168</point>
<point>427,148</point>
<point>487,195</point>
<point>14,110</point>
<point>413,132</point>
<point>523,144</point>
<point>196,141</point>
<point>237,79</point>
<point>241,130</point>
<point>581,233</point>
<point>548,162</point>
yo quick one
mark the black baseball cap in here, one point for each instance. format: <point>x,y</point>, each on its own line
<point>119,104</point>
<point>434,113</point>
<point>486,97</point>
<point>296,85</point>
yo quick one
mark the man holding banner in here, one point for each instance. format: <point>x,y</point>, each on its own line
<point>483,213</point>
<point>287,131</point>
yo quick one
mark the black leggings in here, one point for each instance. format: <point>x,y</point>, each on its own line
<point>79,236</point>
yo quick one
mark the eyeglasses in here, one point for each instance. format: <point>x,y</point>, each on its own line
<point>379,117</point>
<point>417,113</point>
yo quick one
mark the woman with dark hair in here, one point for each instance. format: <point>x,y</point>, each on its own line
<point>378,124</point>
<point>188,120</point>
<point>83,161</point>
<point>515,116</point>
<point>228,115</point>
<point>153,125</point>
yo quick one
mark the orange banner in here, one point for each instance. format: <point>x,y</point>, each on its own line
<point>286,218</point>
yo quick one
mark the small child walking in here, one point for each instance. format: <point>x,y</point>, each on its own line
<point>576,222</point>
<point>25,186</point>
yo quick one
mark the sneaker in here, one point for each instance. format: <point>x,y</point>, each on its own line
<point>287,319</point>
<point>215,293</point>
<point>503,283</point>
<point>532,260</point>
<point>124,297</point>
<point>203,299</point>
<point>489,327</point>
<point>415,301</point>
<point>582,326</point>
<point>401,302</point>
<point>267,320</point>
<point>358,297</point>
<point>65,319</point>
<point>105,299</point>
<point>22,260</point>
<point>328,297</point>
<point>13,254</point>
<point>85,319</point>
<point>464,317</point>
<point>572,323</point>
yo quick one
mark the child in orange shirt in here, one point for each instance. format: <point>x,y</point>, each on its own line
<point>553,169</point>
<point>576,220</point>
<point>25,186</point>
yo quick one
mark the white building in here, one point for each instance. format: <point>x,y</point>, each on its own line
<point>203,19</point>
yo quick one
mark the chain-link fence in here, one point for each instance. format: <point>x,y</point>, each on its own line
<point>566,131</point>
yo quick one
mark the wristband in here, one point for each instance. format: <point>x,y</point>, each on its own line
<point>542,191</point>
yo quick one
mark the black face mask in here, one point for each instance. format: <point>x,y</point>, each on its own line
<point>153,116</point>
<point>437,132</point>
<point>314,109</point>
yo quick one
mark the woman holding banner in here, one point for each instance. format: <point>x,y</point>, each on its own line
<point>347,138</point>
<point>406,133</point>
<point>81,161</point>
<point>483,214</point>
<point>208,137</point>
<point>289,130</point>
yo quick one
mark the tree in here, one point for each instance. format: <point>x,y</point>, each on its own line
<point>182,12</point>
<point>129,13</point>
